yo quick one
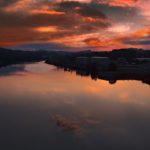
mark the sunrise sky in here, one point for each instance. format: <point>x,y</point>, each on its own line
<point>94,24</point>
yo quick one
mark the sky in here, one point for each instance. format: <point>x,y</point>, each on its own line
<point>80,24</point>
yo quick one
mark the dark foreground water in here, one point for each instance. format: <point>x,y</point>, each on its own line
<point>42,108</point>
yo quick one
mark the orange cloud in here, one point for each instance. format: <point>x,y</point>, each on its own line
<point>122,3</point>
<point>89,19</point>
<point>46,29</point>
<point>48,12</point>
<point>96,42</point>
<point>141,33</point>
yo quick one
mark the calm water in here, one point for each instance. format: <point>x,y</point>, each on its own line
<point>42,108</point>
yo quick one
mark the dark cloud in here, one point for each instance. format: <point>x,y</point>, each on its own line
<point>4,3</point>
<point>35,20</point>
<point>120,14</point>
<point>140,41</point>
<point>89,11</point>
<point>84,9</point>
<point>67,6</point>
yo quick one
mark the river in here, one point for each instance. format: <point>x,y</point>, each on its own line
<point>45,108</point>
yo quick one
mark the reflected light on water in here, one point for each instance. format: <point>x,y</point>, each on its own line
<point>59,105</point>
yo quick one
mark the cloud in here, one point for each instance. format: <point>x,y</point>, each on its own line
<point>139,41</point>
<point>84,9</point>
<point>38,25</point>
<point>67,124</point>
<point>75,125</point>
<point>94,42</point>
<point>120,3</point>
<point>79,23</point>
<point>139,38</point>
<point>4,3</point>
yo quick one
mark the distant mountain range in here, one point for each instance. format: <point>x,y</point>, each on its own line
<point>44,46</point>
<point>9,56</point>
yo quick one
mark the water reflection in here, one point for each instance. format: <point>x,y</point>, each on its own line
<point>110,76</point>
<point>53,109</point>
<point>10,70</point>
